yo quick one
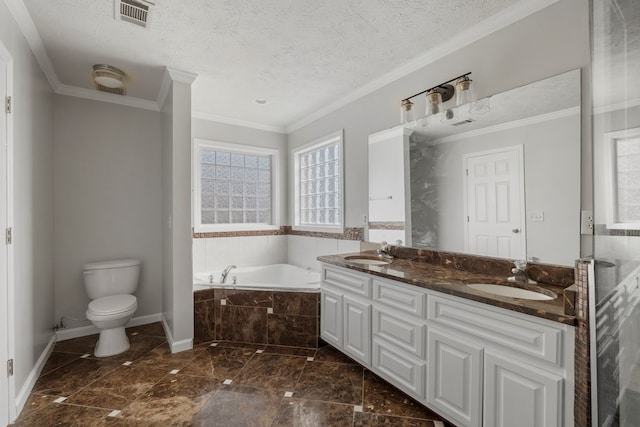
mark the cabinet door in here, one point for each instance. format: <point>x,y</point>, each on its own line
<point>401,369</point>
<point>454,380</point>
<point>331,317</point>
<point>357,329</point>
<point>516,394</point>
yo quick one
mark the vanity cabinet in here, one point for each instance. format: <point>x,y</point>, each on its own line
<point>345,313</point>
<point>475,364</point>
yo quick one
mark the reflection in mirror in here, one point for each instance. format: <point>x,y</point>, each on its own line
<point>502,184</point>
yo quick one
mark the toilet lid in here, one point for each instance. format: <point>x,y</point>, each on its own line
<point>112,304</point>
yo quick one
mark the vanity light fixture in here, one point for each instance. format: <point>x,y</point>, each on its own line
<point>437,95</point>
<point>108,78</point>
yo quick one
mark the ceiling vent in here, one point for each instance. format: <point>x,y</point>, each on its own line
<point>137,12</point>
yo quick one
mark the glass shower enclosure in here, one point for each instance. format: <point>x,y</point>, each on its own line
<point>615,272</point>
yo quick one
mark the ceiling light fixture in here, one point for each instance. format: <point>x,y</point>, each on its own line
<point>438,95</point>
<point>108,76</point>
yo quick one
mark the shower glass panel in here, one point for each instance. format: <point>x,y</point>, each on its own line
<point>616,152</point>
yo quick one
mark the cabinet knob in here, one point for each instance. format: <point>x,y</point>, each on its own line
<point>516,230</point>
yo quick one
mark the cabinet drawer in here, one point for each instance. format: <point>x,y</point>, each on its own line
<point>356,283</point>
<point>402,370</point>
<point>404,332</point>
<point>523,335</point>
<point>403,298</point>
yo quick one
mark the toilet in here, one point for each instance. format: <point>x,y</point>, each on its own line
<point>110,286</point>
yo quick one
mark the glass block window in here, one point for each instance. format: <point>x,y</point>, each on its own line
<point>624,176</point>
<point>627,163</point>
<point>319,179</point>
<point>234,187</point>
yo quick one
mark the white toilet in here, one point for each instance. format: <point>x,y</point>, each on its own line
<point>110,285</point>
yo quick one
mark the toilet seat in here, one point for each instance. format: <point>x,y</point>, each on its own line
<point>112,305</point>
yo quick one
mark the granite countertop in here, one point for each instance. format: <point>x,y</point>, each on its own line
<point>453,281</point>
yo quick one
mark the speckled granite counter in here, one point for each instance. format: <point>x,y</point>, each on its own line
<point>444,272</point>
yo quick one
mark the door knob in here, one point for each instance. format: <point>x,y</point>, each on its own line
<point>516,230</point>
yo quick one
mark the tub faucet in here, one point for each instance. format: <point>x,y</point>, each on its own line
<point>520,273</point>
<point>225,273</point>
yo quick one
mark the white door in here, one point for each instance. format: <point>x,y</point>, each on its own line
<point>495,203</point>
<point>4,255</point>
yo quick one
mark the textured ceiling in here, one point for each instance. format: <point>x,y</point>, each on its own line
<point>299,54</point>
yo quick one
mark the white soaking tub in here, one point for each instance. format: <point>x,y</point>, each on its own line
<point>274,277</point>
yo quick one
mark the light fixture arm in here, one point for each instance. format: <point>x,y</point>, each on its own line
<point>444,88</point>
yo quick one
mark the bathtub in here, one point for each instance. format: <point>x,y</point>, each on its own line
<point>273,304</point>
<point>275,277</point>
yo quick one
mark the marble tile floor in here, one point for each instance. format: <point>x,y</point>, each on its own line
<point>214,384</point>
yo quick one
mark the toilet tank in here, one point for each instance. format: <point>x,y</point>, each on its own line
<point>105,278</point>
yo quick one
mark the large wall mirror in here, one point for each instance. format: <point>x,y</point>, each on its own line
<point>504,184</point>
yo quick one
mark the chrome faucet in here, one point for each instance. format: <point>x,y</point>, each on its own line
<point>384,250</point>
<point>520,273</point>
<point>225,273</point>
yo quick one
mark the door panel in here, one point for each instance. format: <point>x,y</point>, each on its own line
<point>494,202</point>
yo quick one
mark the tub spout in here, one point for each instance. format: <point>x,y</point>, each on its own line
<point>225,273</point>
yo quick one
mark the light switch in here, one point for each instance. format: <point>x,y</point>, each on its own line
<point>536,216</point>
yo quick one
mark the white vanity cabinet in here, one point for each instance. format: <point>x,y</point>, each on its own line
<point>345,312</point>
<point>399,335</point>
<point>475,364</point>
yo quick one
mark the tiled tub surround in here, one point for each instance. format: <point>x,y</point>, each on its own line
<point>224,384</point>
<point>449,273</point>
<point>260,317</point>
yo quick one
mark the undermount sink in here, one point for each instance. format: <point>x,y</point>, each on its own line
<point>366,261</point>
<point>513,292</point>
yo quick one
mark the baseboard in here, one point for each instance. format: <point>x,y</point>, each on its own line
<point>25,391</point>
<point>176,346</point>
<point>83,331</point>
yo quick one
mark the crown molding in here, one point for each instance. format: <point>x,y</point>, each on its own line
<point>505,126</point>
<point>95,95</point>
<point>181,76</point>
<point>490,25</point>
<point>601,109</point>
<point>30,32</point>
<point>201,115</point>
<point>164,90</point>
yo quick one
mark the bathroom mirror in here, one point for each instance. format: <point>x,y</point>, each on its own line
<point>504,184</point>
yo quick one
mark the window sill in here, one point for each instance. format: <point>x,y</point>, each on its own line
<point>230,228</point>
<point>318,229</point>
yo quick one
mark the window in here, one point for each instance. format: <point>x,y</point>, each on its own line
<point>318,188</point>
<point>233,187</point>
<point>623,172</point>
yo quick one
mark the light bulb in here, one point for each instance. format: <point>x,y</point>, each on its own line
<point>434,100</point>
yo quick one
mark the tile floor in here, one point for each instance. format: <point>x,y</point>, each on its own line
<point>214,384</point>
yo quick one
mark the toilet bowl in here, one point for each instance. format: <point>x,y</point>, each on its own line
<point>110,285</point>
<point>110,314</point>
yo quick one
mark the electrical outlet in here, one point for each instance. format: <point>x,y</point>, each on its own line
<point>364,218</point>
<point>586,222</point>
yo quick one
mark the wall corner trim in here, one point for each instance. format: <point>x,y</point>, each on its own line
<point>176,346</point>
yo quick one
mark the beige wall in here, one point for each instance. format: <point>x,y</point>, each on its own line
<point>549,42</point>
<point>32,206</point>
<point>176,212</point>
<point>107,188</point>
